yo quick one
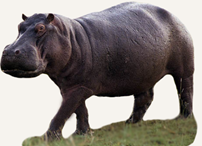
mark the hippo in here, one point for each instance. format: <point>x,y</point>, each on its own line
<point>121,51</point>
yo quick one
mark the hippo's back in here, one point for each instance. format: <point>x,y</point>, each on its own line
<point>135,45</point>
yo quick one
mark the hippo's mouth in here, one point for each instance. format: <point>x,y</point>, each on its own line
<point>24,74</point>
<point>21,73</point>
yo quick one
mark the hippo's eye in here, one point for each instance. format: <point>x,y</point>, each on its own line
<point>40,29</point>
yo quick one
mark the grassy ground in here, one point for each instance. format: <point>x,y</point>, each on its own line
<point>179,132</point>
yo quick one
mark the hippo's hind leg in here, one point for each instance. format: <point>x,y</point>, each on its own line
<point>82,120</point>
<point>185,92</point>
<point>142,103</point>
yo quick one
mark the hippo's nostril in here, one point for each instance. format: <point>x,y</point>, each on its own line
<point>17,52</point>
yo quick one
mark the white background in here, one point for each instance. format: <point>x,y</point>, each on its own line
<point>28,105</point>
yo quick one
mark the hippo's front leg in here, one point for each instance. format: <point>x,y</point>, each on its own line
<point>72,99</point>
<point>82,120</point>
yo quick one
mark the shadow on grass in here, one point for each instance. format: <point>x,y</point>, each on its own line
<point>178,132</point>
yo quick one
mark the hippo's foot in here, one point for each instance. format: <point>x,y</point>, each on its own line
<point>32,141</point>
<point>132,120</point>
<point>47,137</point>
<point>52,135</point>
<point>180,116</point>
<point>83,132</point>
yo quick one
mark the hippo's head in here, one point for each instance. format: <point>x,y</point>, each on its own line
<point>38,47</point>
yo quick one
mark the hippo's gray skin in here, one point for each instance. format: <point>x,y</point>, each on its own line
<point>121,51</point>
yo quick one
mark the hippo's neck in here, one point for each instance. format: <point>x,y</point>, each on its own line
<point>80,63</point>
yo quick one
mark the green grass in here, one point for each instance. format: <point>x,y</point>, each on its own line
<point>180,132</point>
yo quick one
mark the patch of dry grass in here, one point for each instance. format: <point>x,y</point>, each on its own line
<point>180,132</point>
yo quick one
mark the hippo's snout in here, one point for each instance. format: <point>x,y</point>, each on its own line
<point>7,52</point>
<point>21,62</point>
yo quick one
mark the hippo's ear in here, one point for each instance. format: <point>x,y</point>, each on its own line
<point>50,17</point>
<point>24,17</point>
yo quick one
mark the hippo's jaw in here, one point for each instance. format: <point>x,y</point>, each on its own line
<point>24,73</point>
